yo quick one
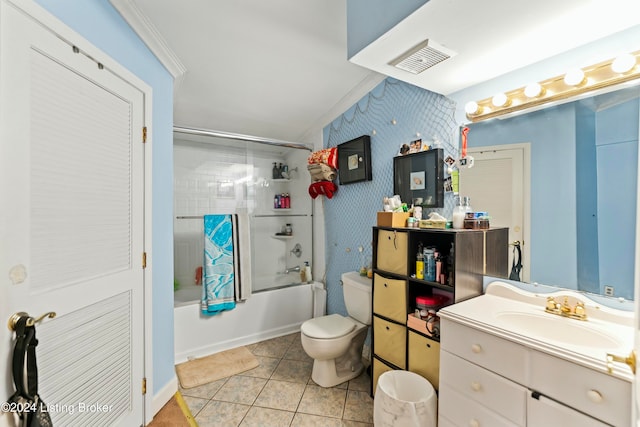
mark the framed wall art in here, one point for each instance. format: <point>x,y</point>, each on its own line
<point>354,160</point>
<point>419,178</point>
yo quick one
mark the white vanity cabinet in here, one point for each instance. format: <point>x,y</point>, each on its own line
<point>488,380</point>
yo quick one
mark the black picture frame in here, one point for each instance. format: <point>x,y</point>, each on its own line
<point>420,176</point>
<point>354,160</point>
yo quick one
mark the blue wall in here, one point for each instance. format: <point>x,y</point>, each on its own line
<point>100,23</point>
<point>369,19</point>
<point>351,213</point>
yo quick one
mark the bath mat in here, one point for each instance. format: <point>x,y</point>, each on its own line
<point>175,413</point>
<point>219,365</point>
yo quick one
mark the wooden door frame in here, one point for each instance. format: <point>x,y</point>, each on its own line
<point>526,199</point>
<point>63,31</point>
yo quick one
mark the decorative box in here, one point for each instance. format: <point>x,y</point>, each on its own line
<point>392,219</point>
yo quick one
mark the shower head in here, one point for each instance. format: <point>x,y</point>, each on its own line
<point>287,175</point>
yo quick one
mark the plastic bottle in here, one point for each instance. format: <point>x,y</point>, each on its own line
<point>466,203</point>
<point>458,214</point>
<point>275,173</point>
<point>429,265</point>
<point>420,263</point>
<point>307,272</point>
<point>303,275</point>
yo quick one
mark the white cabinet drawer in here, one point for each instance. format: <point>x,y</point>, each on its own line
<point>595,393</point>
<point>496,354</point>
<point>462,411</point>
<point>488,389</point>
<point>544,412</point>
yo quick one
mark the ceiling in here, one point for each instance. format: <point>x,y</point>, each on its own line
<point>278,69</point>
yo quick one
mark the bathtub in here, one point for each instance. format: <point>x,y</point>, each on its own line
<point>264,315</point>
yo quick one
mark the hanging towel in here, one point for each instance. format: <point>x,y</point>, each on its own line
<point>218,290</point>
<point>243,250</point>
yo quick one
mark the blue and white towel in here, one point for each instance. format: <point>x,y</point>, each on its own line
<point>218,281</point>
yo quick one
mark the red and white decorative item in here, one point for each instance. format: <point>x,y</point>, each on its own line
<point>464,161</point>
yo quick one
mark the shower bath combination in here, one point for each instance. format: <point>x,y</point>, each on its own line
<point>216,173</point>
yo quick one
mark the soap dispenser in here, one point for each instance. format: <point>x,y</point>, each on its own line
<point>307,272</point>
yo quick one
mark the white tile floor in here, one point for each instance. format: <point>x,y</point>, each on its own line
<point>280,392</point>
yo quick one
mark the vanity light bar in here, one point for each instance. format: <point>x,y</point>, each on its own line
<point>556,89</point>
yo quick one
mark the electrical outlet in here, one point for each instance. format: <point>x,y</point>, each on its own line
<point>608,291</point>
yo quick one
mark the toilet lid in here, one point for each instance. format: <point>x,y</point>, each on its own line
<point>325,327</point>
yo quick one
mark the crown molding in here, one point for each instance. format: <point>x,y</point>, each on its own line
<point>149,34</point>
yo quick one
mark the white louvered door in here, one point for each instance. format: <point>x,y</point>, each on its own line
<point>72,192</point>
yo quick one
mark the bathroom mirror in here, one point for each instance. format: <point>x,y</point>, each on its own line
<point>583,165</point>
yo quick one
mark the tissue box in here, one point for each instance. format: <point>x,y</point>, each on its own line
<point>432,223</point>
<point>392,219</point>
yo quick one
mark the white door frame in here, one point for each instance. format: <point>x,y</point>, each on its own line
<point>34,10</point>
<point>526,197</point>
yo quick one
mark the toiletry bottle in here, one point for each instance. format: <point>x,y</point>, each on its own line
<point>288,230</point>
<point>429,266</point>
<point>276,201</point>
<point>458,214</point>
<point>275,173</point>
<point>420,263</point>
<point>303,275</point>
<point>307,272</point>
<point>466,203</point>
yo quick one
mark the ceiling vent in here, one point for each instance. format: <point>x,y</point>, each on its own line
<point>422,56</point>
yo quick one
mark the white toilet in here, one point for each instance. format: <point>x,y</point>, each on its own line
<point>335,342</point>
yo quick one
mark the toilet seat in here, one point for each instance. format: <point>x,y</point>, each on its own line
<point>328,327</point>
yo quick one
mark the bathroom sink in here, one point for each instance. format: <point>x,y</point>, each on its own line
<point>549,327</point>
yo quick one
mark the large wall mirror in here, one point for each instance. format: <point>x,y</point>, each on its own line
<point>583,188</point>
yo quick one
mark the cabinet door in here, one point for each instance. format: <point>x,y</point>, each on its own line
<point>390,341</point>
<point>544,412</point>
<point>424,358</point>
<point>390,298</point>
<point>592,392</point>
<point>392,251</point>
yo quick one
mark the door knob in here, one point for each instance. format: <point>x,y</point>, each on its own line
<point>15,317</point>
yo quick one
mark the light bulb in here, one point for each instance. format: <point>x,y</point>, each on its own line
<point>623,63</point>
<point>574,77</point>
<point>472,107</point>
<point>500,100</point>
<point>533,90</point>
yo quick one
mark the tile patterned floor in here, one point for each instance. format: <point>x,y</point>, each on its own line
<point>280,392</point>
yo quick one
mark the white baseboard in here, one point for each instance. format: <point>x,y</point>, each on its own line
<point>237,342</point>
<point>162,397</point>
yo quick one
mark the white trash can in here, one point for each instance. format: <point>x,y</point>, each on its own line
<point>404,399</point>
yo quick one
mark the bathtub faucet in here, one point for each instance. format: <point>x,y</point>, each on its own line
<point>289,270</point>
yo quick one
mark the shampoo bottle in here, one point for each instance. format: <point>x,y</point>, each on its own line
<point>307,272</point>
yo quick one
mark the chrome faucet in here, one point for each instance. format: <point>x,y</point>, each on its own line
<point>289,270</point>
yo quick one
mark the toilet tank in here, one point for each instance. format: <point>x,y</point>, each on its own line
<point>357,296</point>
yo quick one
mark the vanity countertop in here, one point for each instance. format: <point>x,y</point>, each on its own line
<point>519,316</point>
